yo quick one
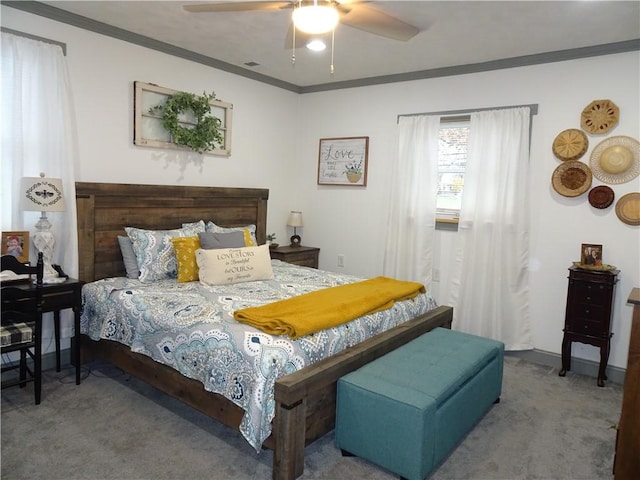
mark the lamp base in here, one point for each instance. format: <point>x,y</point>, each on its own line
<point>295,241</point>
<point>44,241</point>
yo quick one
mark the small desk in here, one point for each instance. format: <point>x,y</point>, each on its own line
<point>56,297</point>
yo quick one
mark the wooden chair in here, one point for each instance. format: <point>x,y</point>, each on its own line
<point>21,327</point>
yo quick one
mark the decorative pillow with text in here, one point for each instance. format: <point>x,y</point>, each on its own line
<point>234,265</point>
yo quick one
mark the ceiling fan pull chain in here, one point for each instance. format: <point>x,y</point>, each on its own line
<point>333,41</point>
<point>293,45</point>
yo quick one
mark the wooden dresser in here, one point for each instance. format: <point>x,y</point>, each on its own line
<point>588,316</point>
<point>627,462</point>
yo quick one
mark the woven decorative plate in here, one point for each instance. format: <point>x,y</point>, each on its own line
<point>616,159</point>
<point>571,178</point>
<point>601,196</point>
<point>570,144</point>
<point>599,116</point>
<point>628,208</point>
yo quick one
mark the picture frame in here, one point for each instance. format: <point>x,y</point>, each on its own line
<point>16,243</point>
<point>343,161</point>
<point>591,255</point>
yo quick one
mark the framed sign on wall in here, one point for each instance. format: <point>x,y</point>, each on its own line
<point>343,161</point>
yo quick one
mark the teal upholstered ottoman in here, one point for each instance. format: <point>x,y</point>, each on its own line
<point>408,410</point>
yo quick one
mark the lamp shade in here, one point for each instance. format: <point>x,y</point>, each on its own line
<point>41,194</point>
<point>295,219</point>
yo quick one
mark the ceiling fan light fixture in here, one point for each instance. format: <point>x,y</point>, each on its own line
<point>316,45</point>
<point>315,19</point>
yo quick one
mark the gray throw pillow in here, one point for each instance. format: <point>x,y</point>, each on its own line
<point>128,257</point>
<point>213,240</point>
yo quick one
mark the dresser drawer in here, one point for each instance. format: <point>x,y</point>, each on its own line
<point>303,256</point>
<point>58,301</point>
<point>305,262</point>
<point>591,324</point>
<point>591,293</point>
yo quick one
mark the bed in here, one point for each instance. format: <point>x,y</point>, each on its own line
<point>304,401</point>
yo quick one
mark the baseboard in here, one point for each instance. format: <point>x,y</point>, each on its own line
<point>578,365</point>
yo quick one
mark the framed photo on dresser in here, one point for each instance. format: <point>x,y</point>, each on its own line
<point>16,244</point>
<point>591,254</point>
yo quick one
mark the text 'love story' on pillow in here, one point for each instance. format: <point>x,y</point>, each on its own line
<point>234,265</point>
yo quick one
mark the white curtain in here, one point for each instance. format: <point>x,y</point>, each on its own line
<point>490,284</point>
<point>39,135</point>
<point>412,216</point>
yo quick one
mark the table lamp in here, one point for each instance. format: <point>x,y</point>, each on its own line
<point>43,195</point>
<point>295,221</point>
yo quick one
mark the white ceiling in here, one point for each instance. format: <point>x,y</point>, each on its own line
<point>452,34</point>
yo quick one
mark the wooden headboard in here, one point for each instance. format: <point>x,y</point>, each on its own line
<point>104,209</point>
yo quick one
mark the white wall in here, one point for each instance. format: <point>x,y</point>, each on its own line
<point>275,145</point>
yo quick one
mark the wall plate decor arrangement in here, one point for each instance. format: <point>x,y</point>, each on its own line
<point>16,244</point>
<point>628,208</point>
<point>166,118</point>
<point>571,178</point>
<point>599,117</point>
<point>616,159</point>
<point>570,144</point>
<point>601,197</point>
<point>343,161</point>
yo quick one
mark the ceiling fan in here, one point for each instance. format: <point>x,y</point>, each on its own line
<point>348,12</point>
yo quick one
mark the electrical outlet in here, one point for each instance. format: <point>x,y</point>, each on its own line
<point>341,260</point>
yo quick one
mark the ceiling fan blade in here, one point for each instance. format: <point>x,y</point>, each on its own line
<point>236,6</point>
<point>379,23</point>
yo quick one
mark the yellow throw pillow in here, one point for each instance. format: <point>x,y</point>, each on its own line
<point>185,248</point>
<point>248,239</point>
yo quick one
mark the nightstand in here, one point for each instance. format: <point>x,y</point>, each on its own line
<point>60,296</point>
<point>305,256</point>
<point>588,315</point>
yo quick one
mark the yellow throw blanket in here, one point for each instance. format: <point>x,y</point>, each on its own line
<point>326,308</point>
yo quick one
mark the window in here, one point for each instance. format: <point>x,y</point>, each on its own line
<point>452,160</point>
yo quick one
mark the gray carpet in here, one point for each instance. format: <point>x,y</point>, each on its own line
<point>114,427</point>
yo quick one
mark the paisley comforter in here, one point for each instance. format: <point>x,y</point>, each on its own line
<point>190,327</point>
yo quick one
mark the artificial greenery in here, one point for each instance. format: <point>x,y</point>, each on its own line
<point>353,167</point>
<point>202,137</point>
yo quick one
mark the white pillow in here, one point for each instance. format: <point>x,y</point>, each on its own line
<point>223,266</point>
